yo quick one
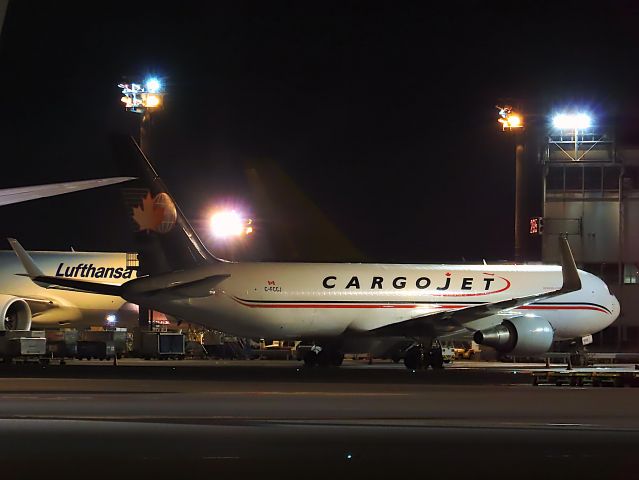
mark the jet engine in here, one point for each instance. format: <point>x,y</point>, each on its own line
<point>16,314</point>
<point>520,336</point>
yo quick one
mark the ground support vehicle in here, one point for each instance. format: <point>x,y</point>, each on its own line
<point>22,344</point>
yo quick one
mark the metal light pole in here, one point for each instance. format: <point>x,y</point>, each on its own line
<point>3,11</point>
<point>519,196</point>
<point>513,123</point>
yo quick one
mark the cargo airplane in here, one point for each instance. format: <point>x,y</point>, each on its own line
<point>338,307</point>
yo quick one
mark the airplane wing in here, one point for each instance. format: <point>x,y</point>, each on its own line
<point>455,320</point>
<point>37,305</point>
<point>22,194</point>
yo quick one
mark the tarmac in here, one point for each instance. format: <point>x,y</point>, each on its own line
<point>159,419</point>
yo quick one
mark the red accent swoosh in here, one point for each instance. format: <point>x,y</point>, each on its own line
<point>475,294</point>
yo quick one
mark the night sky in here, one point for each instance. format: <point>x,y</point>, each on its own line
<point>384,116</point>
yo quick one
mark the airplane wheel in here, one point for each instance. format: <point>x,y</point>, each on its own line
<point>337,359</point>
<point>415,358</point>
<point>437,363</point>
<point>437,360</point>
<point>325,358</point>
<point>310,359</point>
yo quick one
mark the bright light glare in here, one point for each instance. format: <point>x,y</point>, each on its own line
<point>152,101</point>
<point>514,120</point>
<point>573,121</point>
<point>153,85</point>
<point>227,224</point>
<point>111,318</point>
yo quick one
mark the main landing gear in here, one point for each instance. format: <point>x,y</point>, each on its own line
<point>323,357</point>
<point>422,355</point>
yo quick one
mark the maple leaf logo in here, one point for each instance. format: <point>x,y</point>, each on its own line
<point>148,215</point>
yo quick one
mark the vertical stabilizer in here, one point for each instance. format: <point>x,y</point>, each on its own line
<point>165,239</point>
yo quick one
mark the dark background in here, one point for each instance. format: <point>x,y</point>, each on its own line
<point>384,115</point>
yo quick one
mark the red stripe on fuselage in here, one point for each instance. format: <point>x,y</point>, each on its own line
<point>321,305</point>
<point>561,307</point>
<point>407,306</point>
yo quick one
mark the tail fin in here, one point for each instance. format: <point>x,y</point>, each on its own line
<point>165,239</point>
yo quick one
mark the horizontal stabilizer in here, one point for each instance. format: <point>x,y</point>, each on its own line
<point>188,284</point>
<point>39,278</point>
<point>172,284</point>
<point>62,283</point>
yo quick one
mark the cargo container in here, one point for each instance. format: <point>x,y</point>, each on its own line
<point>62,343</point>
<point>95,349</point>
<point>118,336</point>
<point>162,345</point>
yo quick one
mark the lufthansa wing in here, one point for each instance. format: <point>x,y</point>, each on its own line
<point>22,194</point>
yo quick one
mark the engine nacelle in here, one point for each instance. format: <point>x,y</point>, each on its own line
<point>521,336</point>
<point>15,314</point>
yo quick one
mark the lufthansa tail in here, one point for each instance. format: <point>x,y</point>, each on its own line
<point>165,240</point>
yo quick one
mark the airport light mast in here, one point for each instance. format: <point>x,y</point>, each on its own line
<point>143,99</point>
<point>512,122</point>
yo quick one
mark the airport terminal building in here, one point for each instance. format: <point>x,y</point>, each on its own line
<point>590,190</point>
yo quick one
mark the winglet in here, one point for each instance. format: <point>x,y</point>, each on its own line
<point>572,282</point>
<point>27,262</point>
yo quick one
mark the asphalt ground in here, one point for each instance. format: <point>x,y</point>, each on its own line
<point>166,419</point>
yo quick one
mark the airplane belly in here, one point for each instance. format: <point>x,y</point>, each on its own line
<point>226,314</point>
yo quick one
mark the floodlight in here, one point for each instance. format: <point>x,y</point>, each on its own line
<point>152,101</point>
<point>514,120</point>
<point>229,224</point>
<point>111,318</point>
<point>572,121</point>
<point>153,85</point>
<point>509,119</point>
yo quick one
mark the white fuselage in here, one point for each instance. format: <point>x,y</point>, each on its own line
<point>55,307</point>
<point>298,300</point>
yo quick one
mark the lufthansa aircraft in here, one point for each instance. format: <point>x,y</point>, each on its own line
<point>24,305</point>
<point>21,302</point>
<point>340,307</point>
